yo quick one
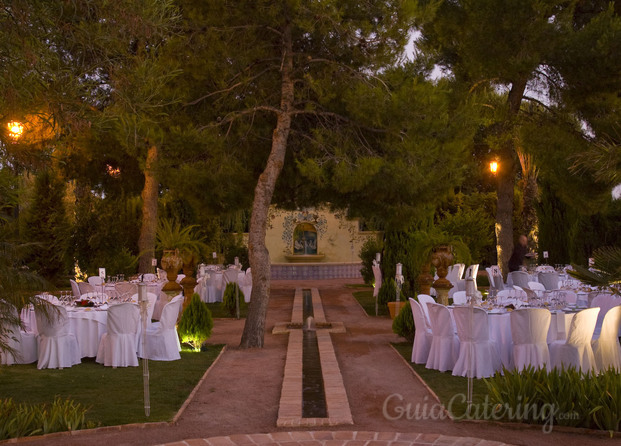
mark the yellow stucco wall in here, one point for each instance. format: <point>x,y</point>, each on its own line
<point>338,238</point>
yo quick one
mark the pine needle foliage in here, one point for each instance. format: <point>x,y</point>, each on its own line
<point>228,299</point>
<point>196,323</point>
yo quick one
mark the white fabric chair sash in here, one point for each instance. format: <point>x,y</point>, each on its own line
<point>422,334</point>
<point>529,331</point>
<point>119,345</point>
<point>444,343</point>
<point>58,347</point>
<point>161,339</point>
<point>606,348</point>
<point>577,350</point>
<point>478,356</point>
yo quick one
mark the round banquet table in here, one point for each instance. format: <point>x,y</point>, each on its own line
<point>88,325</point>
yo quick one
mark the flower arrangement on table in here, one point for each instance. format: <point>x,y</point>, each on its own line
<point>84,303</point>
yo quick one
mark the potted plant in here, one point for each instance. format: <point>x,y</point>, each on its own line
<point>181,246</point>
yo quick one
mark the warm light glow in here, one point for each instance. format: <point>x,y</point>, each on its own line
<point>114,172</point>
<point>16,129</point>
<point>493,167</point>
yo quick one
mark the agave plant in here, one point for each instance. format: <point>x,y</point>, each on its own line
<point>605,272</point>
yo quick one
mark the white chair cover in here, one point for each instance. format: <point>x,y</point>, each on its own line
<point>570,297</point>
<point>125,289</point>
<point>161,339</point>
<point>377,274</point>
<point>444,343</point>
<point>24,344</point>
<point>85,287</point>
<point>604,302</point>
<point>246,285</point>
<point>495,277</point>
<point>425,300</point>
<point>149,277</point>
<point>455,272</point>
<point>576,351</point>
<point>161,274</point>
<point>58,347</point>
<point>478,356</point>
<point>75,289</point>
<point>549,280</point>
<point>459,298</point>
<point>529,331</point>
<point>95,281</point>
<point>519,278</point>
<point>536,286</point>
<point>119,345</point>
<point>606,348</point>
<point>472,271</point>
<point>422,334</point>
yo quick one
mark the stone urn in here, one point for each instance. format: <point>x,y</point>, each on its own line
<point>442,258</point>
<point>171,263</point>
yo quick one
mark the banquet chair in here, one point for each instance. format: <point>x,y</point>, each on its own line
<point>377,274</point>
<point>576,351</point>
<point>604,302</point>
<point>119,345</point>
<point>22,343</point>
<point>455,272</point>
<point>529,331</point>
<point>605,344</point>
<point>246,285</point>
<point>444,347</point>
<point>519,278</point>
<point>425,300</point>
<point>75,289</point>
<point>125,289</point>
<point>161,339</point>
<point>151,300</point>
<point>570,297</point>
<point>149,277</point>
<point>460,298</point>
<point>95,281</point>
<point>160,302</point>
<point>161,274</point>
<point>422,334</point>
<point>549,280</point>
<point>478,356</point>
<point>57,346</point>
<point>536,286</point>
<point>85,287</point>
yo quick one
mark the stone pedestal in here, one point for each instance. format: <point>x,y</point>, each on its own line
<point>442,258</point>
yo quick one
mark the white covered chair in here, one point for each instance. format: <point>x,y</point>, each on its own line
<point>85,287</point>
<point>455,272</point>
<point>576,351</point>
<point>57,346</point>
<point>519,278</point>
<point>23,344</point>
<point>125,289</point>
<point>422,334</point>
<point>529,331</point>
<point>75,289</point>
<point>246,285</point>
<point>472,272</point>
<point>606,348</point>
<point>424,300</point>
<point>604,302</point>
<point>161,339</point>
<point>536,286</point>
<point>478,355</point>
<point>444,342</point>
<point>459,298</point>
<point>151,298</point>
<point>149,277</point>
<point>549,280</point>
<point>95,281</point>
<point>119,345</point>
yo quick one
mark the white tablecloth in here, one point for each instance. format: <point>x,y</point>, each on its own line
<point>88,325</point>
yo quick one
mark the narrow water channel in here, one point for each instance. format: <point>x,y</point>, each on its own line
<point>313,394</point>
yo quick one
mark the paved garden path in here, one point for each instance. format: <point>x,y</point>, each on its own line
<point>237,403</point>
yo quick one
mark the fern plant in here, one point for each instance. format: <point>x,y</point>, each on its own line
<point>196,323</point>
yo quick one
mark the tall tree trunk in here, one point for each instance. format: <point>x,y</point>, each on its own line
<point>259,256</point>
<point>148,228</point>
<point>506,182</point>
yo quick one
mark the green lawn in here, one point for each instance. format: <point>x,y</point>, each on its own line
<point>366,299</point>
<point>113,396</point>
<point>446,386</point>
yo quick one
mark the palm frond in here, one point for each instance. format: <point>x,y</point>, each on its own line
<point>605,271</point>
